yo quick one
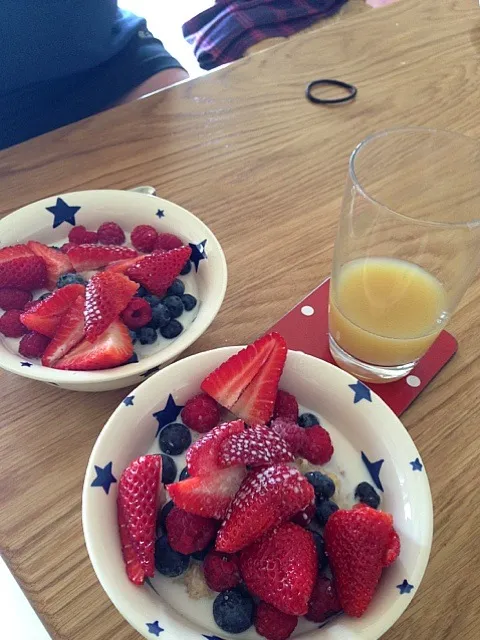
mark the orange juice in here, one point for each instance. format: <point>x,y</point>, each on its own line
<point>385,311</point>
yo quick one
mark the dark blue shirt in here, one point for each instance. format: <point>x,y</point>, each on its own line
<point>41,40</point>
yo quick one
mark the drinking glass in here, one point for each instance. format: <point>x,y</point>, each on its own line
<point>407,248</point>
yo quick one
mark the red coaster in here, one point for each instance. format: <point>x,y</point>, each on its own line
<point>305,328</point>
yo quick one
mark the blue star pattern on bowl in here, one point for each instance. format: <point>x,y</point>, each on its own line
<point>362,392</point>
<point>373,469</point>
<point>105,477</point>
<point>62,212</point>
<point>168,414</point>
<point>416,465</point>
<point>212,637</point>
<point>198,253</point>
<point>128,401</point>
<point>150,372</point>
<point>160,213</point>
<point>154,628</point>
<point>25,364</point>
<point>405,587</point>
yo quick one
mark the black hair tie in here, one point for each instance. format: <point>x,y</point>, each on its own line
<point>352,91</point>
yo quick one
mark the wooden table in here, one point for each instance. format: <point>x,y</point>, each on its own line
<point>245,151</point>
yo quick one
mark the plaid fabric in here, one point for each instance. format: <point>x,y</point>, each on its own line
<point>224,32</point>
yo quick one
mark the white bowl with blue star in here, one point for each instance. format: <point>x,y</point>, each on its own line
<point>50,220</point>
<point>371,445</point>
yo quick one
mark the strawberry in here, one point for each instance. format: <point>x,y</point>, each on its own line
<point>227,381</point>
<point>44,317</point>
<point>358,543</point>
<point>121,266</point>
<point>21,268</point>
<point>156,272</point>
<point>69,332</point>
<point>256,403</point>
<point>202,455</point>
<point>281,568</point>
<point>286,406</point>
<point>139,494</point>
<point>208,495</point>
<point>257,446</point>
<point>85,257</point>
<point>265,499</point>
<point>57,263</point>
<point>106,296</point>
<point>113,348</point>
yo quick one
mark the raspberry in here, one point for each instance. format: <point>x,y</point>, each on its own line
<point>303,518</point>
<point>201,413</point>
<point>10,324</point>
<point>65,248</point>
<point>14,298</point>
<point>167,241</point>
<point>274,624</point>
<point>110,233</point>
<point>221,571</point>
<point>33,344</point>
<point>144,237</point>
<point>286,406</point>
<point>290,432</point>
<point>79,235</point>
<point>323,601</point>
<point>187,532</point>
<point>317,446</point>
<point>137,313</point>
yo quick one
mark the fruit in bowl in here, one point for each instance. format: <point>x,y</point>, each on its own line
<point>250,513</point>
<point>113,299</point>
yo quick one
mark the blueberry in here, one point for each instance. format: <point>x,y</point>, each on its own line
<point>174,305</point>
<point>174,439</point>
<point>169,562</point>
<point>162,516</point>
<point>70,278</point>
<point>308,420</point>
<point>133,359</point>
<point>147,335</point>
<point>173,329</point>
<point>133,336</point>
<point>169,469</point>
<point>152,300</point>
<point>320,544</point>
<point>184,474</point>
<point>323,486</point>
<point>160,317</point>
<point>201,555</point>
<point>177,288</point>
<point>366,493</point>
<point>324,510</point>
<point>141,292</point>
<point>233,610</point>
<point>189,302</point>
<point>186,269</point>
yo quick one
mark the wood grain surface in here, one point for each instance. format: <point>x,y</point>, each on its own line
<point>245,151</point>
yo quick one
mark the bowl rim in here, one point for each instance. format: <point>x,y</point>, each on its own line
<point>384,622</point>
<point>178,346</point>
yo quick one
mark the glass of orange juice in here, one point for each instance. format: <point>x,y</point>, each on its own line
<point>407,248</point>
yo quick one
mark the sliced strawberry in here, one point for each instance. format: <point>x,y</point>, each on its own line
<point>157,271</point>
<point>45,316</point>
<point>255,404</point>
<point>137,502</point>
<point>266,498</point>
<point>113,348</point>
<point>208,495</point>
<point>254,447</point>
<point>106,296</point>
<point>202,455</point>
<point>227,382</point>
<point>20,268</point>
<point>121,266</point>
<point>70,331</point>
<point>85,257</point>
<point>57,263</point>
